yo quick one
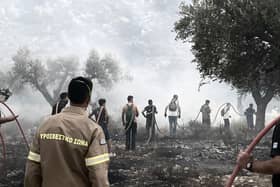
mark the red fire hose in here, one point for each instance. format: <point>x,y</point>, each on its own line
<point>251,147</point>
<point>18,124</point>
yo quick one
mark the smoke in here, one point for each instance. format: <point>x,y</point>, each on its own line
<point>139,33</point>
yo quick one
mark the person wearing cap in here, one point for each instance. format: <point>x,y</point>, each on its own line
<point>149,113</point>
<point>63,100</point>
<point>69,149</point>
<point>129,116</point>
<point>173,111</point>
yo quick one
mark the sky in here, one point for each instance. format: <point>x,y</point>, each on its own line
<point>139,34</point>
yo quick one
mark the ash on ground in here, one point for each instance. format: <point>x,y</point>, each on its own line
<point>197,157</point>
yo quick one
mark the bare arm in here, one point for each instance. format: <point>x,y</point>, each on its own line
<point>165,111</point>
<point>179,111</point>
<point>271,166</point>
<point>137,112</point>
<point>8,119</point>
<point>123,120</point>
<point>143,112</point>
<point>156,110</point>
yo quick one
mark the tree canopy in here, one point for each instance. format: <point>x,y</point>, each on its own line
<point>105,71</point>
<point>48,78</point>
<point>237,42</point>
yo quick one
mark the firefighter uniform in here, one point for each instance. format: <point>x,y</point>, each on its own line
<point>69,150</point>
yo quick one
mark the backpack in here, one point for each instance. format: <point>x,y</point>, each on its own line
<point>129,114</point>
<point>172,106</point>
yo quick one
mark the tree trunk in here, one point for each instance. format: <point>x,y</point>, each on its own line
<point>44,91</point>
<point>260,115</point>
<point>57,91</point>
<point>261,102</point>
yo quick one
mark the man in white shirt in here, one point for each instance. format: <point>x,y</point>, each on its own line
<point>174,112</point>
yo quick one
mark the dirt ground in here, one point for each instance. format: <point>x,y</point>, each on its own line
<point>190,160</point>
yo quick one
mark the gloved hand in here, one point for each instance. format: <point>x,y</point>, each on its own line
<point>179,116</point>
<point>165,114</point>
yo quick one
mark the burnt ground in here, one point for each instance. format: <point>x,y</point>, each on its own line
<point>195,158</point>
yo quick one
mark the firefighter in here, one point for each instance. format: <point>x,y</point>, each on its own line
<point>69,149</point>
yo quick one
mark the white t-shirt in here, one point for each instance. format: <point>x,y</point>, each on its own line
<point>173,113</point>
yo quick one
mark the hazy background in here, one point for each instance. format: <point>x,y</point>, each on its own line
<point>138,33</point>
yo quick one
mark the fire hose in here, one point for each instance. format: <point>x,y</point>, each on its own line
<point>218,111</point>
<point>18,124</point>
<point>250,148</point>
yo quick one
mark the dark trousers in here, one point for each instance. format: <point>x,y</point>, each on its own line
<point>250,122</point>
<point>150,128</point>
<point>206,122</point>
<point>226,123</point>
<point>131,137</point>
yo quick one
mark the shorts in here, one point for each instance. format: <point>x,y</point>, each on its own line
<point>106,132</point>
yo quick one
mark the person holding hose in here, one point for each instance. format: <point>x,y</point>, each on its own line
<point>149,113</point>
<point>129,119</point>
<point>271,166</point>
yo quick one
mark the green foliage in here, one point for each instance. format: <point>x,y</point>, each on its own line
<point>234,41</point>
<point>26,69</point>
<point>49,78</point>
